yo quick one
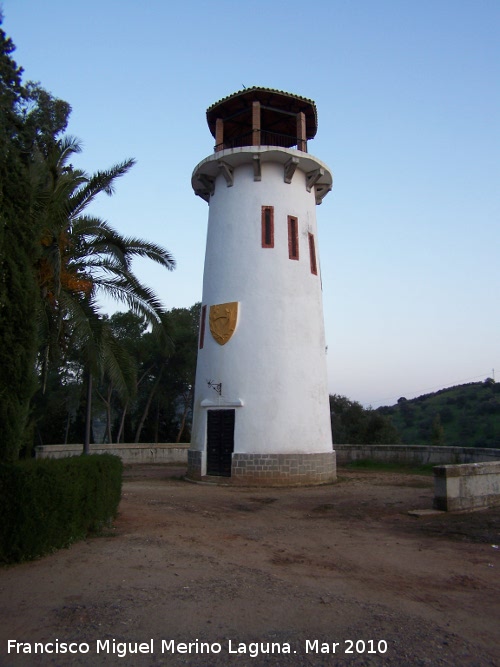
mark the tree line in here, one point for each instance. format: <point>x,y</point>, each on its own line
<point>352,424</point>
<point>157,405</point>
<point>467,415</point>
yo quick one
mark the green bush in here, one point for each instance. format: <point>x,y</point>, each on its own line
<point>50,503</point>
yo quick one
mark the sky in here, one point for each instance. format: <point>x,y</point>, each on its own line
<point>408,99</point>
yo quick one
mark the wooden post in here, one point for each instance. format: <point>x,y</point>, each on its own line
<point>219,134</point>
<point>256,123</point>
<point>301,132</point>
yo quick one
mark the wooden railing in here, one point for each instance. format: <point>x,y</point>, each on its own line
<point>266,139</point>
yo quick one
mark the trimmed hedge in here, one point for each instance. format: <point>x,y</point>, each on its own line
<point>49,503</point>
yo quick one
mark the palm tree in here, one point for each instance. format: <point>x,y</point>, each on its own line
<point>83,257</point>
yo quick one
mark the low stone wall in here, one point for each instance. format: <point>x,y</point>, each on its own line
<point>129,453</point>
<point>415,454</point>
<point>466,486</point>
<point>178,453</point>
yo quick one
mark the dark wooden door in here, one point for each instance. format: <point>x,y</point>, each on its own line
<point>220,442</point>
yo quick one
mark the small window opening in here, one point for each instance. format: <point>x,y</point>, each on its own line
<point>312,255</point>
<point>267,227</point>
<point>202,326</point>
<point>293,238</point>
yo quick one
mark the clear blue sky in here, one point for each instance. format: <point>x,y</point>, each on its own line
<point>408,99</point>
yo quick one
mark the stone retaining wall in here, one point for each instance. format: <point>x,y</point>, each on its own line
<point>178,453</point>
<point>129,453</point>
<point>415,454</point>
<point>466,486</point>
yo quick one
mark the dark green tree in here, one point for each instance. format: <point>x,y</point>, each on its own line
<point>20,137</point>
<point>379,429</point>
<point>352,424</point>
<point>128,330</point>
<point>160,408</point>
<point>437,431</point>
<point>171,419</point>
<point>347,420</point>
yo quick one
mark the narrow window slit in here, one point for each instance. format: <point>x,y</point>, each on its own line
<point>202,326</point>
<point>293,238</point>
<point>312,255</point>
<point>267,227</point>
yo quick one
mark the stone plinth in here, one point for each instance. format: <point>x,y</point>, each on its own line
<point>467,486</point>
<point>271,469</point>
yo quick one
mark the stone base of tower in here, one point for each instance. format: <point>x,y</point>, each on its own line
<point>195,464</point>
<point>270,469</point>
<point>283,469</point>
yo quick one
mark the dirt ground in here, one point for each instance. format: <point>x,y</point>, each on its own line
<point>332,575</point>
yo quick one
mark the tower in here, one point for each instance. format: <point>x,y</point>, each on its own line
<point>261,408</point>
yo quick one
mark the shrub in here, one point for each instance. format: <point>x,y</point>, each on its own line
<point>48,504</point>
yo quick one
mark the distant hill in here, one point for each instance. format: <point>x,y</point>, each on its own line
<point>467,415</point>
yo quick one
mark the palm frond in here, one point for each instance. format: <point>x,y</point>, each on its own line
<point>139,248</point>
<point>101,181</point>
<point>67,146</point>
<point>83,256</point>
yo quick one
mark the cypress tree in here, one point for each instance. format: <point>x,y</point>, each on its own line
<point>17,285</point>
<point>23,133</point>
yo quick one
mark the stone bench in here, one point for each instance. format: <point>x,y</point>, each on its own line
<point>466,486</point>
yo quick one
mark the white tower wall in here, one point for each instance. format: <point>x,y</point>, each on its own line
<point>272,371</point>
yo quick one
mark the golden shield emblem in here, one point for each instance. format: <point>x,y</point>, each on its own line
<point>223,318</point>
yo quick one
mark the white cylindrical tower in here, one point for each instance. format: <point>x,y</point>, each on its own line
<point>261,408</point>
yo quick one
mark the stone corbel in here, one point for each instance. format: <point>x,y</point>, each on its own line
<point>289,169</point>
<point>208,183</point>
<point>227,171</point>
<point>320,192</point>
<point>313,177</point>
